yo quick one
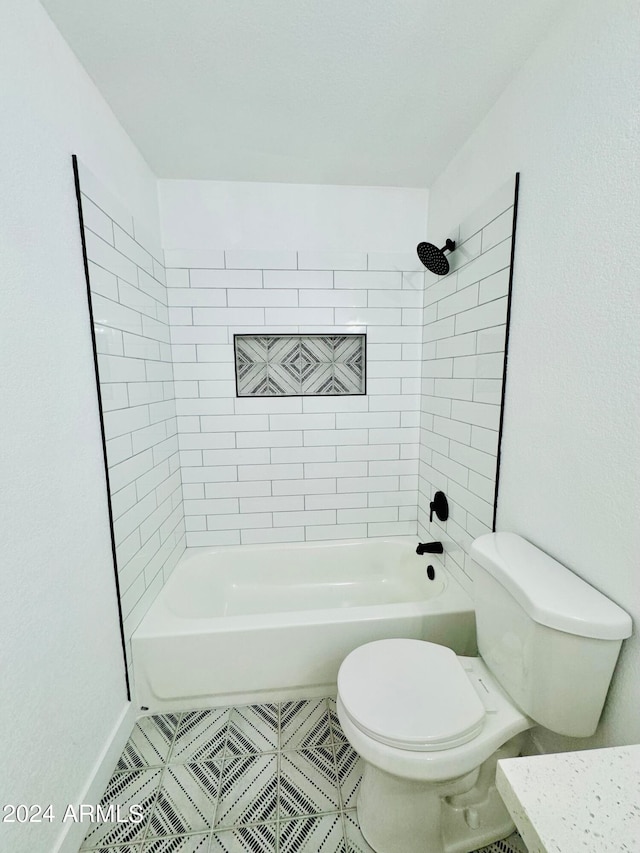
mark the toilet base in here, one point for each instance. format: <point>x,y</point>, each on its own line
<point>456,816</point>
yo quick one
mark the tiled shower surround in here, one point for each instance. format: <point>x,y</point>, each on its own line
<point>275,469</point>
<point>275,778</point>
<point>192,464</point>
<point>129,303</point>
<point>465,318</point>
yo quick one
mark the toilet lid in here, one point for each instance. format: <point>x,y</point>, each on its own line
<point>410,694</point>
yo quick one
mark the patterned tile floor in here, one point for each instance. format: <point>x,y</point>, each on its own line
<point>252,779</point>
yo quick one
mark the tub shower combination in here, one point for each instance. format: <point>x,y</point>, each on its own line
<point>269,623</point>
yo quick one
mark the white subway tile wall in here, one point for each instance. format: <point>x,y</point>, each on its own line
<point>463,339</point>
<point>293,469</point>
<point>131,323</point>
<point>192,464</point>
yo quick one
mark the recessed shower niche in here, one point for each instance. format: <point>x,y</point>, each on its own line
<point>295,365</point>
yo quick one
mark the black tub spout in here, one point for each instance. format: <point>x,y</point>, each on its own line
<point>430,548</point>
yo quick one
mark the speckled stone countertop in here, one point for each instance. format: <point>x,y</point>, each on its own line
<point>575,802</point>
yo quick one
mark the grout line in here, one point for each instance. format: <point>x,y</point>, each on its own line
<point>223,762</point>
<point>278,770</point>
<point>162,775</point>
<point>116,249</point>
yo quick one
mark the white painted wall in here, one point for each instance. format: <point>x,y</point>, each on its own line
<point>236,215</point>
<point>62,673</point>
<point>570,476</point>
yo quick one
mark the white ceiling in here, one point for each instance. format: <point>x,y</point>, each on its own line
<point>368,92</point>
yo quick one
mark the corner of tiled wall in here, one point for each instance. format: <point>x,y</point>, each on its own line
<point>465,314</point>
<point>131,324</point>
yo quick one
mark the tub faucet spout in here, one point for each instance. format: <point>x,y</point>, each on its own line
<point>430,548</point>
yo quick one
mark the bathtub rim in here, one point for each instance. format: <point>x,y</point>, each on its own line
<point>194,551</point>
<point>160,619</point>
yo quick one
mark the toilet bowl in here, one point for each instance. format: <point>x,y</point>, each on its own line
<point>430,725</point>
<point>425,744</point>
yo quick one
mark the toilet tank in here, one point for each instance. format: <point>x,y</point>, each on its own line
<point>550,638</point>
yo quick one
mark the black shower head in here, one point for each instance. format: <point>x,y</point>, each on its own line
<point>434,258</point>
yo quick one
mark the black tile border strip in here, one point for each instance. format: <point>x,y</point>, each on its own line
<point>76,178</point>
<point>506,346</point>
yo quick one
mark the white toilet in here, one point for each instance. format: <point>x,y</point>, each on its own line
<point>431,725</point>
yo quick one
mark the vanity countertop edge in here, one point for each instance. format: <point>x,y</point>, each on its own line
<point>575,802</point>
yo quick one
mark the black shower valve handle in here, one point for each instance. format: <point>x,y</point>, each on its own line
<point>440,506</point>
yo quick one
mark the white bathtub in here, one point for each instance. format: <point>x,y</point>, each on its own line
<point>267,623</point>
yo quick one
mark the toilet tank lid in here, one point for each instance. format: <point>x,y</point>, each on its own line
<point>549,593</point>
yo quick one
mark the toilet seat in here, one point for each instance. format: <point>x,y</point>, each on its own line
<point>410,694</point>
<point>502,722</point>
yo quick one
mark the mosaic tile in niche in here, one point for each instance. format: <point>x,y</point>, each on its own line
<point>295,365</point>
